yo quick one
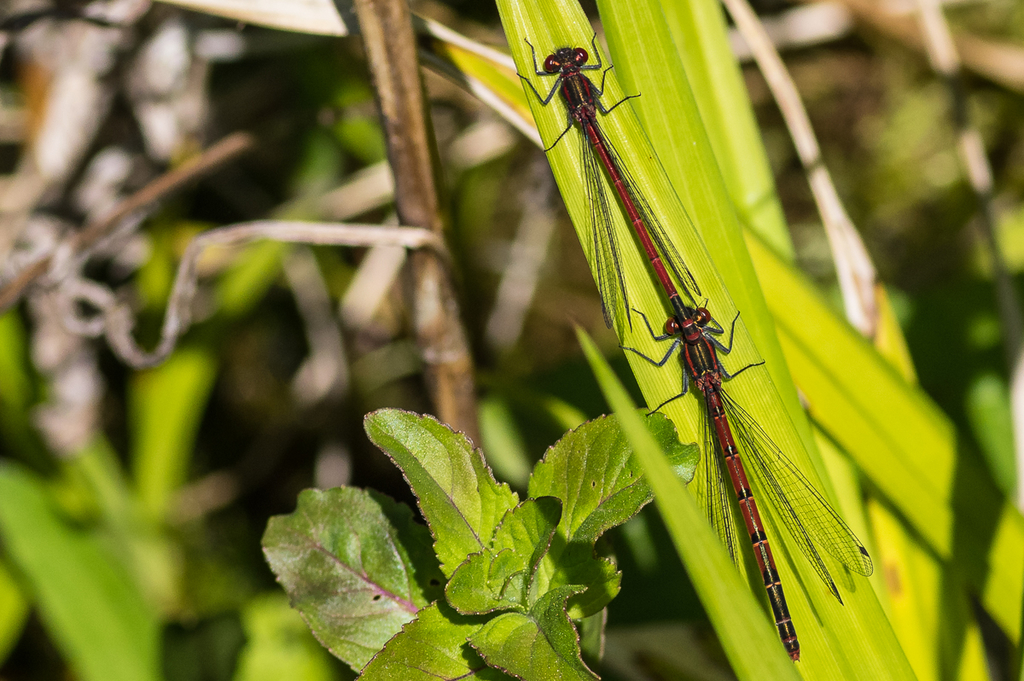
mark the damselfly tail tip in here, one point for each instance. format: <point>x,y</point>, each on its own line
<point>792,646</point>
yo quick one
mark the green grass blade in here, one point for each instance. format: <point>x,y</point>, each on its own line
<point>14,612</point>
<point>89,603</point>
<point>669,113</point>
<point>166,405</point>
<point>700,35</point>
<point>749,640</point>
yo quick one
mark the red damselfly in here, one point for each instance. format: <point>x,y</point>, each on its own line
<point>582,98</point>
<point>806,514</point>
<point>804,511</point>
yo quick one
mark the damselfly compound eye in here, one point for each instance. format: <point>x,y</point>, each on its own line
<point>580,56</point>
<point>703,316</point>
<point>551,64</point>
<point>672,326</point>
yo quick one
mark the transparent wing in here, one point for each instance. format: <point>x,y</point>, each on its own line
<point>669,253</point>
<point>807,515</point>
<point>712,495</point>
<point>610,281</point>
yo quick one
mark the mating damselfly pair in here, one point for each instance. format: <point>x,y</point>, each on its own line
<point>697,339</point>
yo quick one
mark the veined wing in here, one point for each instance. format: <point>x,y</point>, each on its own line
<point>611,283</point>
<point>666,248</point>
<point>807,515</point>
<point>713,496</point>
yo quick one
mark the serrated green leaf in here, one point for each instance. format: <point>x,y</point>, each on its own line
<point>90,605</point>
<point>356,565</point>
<point>432,648</point>
<point>592,469</point>
<point>538,646</point>
<point>457,494</point>
<point>501,576</point>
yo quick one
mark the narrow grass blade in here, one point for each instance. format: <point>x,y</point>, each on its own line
<point>700,36</point>
<point>88,601</point>
<point>166,406</point>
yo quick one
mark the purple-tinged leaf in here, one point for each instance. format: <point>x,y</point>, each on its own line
<point>356,565</point>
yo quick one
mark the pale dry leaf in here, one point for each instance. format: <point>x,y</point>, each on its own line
<point>308,16</point>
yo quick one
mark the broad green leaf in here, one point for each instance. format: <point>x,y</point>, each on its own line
<point>356,565</point>
<point>457,494</point>
<point>929,607</point>
<point>432,648</point>
<point>167,406</point>
<point>89,603</point>
<point>502,576</point>
<point>749,641</point>
<point>592,469</point>
<point>279,645</point>
<point>537,646</point>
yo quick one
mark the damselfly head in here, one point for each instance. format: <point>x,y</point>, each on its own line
<point>565,58</point>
